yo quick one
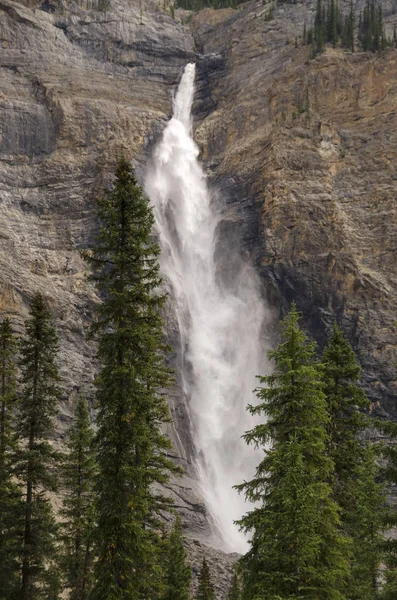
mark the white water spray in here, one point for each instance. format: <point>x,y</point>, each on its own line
<point>219,324</point>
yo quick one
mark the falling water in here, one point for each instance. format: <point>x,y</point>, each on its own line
<point>219,323</point>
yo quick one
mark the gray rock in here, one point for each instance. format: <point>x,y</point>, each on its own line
<point>309,197</point>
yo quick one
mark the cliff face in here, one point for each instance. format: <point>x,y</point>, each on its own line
<point>78,86</point>
<point>303,151</point>
<point>311,145</point>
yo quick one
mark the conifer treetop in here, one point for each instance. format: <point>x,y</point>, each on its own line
<point>206,590</point>
<point>178,573</point>
<point>297,550</point>
<point>131,386</point>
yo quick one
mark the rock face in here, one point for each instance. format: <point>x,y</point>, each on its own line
<point>304,153</point>
<point>309,147</point>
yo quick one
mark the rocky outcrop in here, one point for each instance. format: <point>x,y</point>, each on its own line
<point>303,152</point>
<point>306,151</point>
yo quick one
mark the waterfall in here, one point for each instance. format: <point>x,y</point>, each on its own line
<point>219,318</point>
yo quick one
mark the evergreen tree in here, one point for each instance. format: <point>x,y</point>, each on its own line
<point>389,476</point>
<point>304,35</point>
<point>338,20</point>
<point>345,399</point>
<point>8,394</point>
<point>366,525</point>
<point>177,573</point>
<point>354,485</point>
<point>348,30</point>
<point>296,549</point>
<point>206,590</point>
<point>389,589</point>
<point>234,592</point>
<point>332,28</point>
<point>36,458</point>
<point>371,28</point>
<point>78,510</point>
<point>130,395</point>
<point>10,497</point>
<point>319,33</point>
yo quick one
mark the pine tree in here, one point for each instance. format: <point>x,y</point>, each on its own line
<point>319,33</point>
<point>388,452</point>
<point>338,20</point>
<point>355,489</point>
<point>130,395</point>
<point>346,401</point>
<point>366,525</point>
<point>177,573</point>
<point>389,589</point>
<point>296,549</point>
<point>371,28</point>
<point>8,394</point>
<point>36,458</point>
<point>10,496</point>
<point>348,30</point>
<point>332,33</point>
<point>78,511</point>
<point>234,592</point>
<point>206,590</point>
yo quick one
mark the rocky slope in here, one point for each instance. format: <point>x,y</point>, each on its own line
<point>304,153</point>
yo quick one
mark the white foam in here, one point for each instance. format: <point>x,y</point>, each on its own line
<point>219,328</point>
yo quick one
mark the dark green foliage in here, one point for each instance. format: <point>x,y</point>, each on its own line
<point>131,402</point>
<point>8,393</point>
<point>332,22</point>
<point>345,399</point>
<point>348,29</point>
<point>371,28</point>
<point>234,592</point>
<point>330,26</point>
<point>296,549</point>
<point>366,525</point>
<point>320,27</point>
<point>177,573</point>
<point>327,24</point>
<point>10,496</point>
<point>359,496</point>
<point>206,590</point>
<point>36,458</point>
<point>389,589</point>
<point>389,475</point>
<point>78,506</point>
